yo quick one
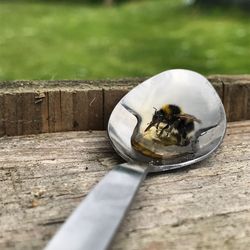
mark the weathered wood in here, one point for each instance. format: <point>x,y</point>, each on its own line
<point>86,105</point>
<point>111,98</point>
<point>2,116</point>
<point>10,114</point>
<point>31,114</point>
<point>54,107</point>
<point>95,109</point>
<point>237,92</point>
<point>236,96</point>
<point>42,102</point>
<point>80,110</point>
<point>66,110</point>
<point>204,206</point>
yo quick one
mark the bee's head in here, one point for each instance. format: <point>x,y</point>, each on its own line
<point>158,117</point>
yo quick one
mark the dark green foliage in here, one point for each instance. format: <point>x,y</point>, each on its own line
<point>239,3</point>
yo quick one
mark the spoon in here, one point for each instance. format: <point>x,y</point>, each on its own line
<point>169,121</point>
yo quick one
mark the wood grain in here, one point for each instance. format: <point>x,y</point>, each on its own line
<point>10,114</point>
<point>238,93</point>
<point>66,110</point>
<point>95,109</point>
<point>2,116</point>
<point>54,107</point>
<point>205,206</point>
<point>80,110</point>
<point>42,103</point>
<point>31,114</point>
<point>111,97</point>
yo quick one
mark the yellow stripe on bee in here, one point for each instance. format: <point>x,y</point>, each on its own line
<point>170,108</point>
<point>166,109</point>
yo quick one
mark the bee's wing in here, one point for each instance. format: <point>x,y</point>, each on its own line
<point>190,117</point>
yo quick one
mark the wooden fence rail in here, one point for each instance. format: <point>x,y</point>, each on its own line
<point>33,107</point>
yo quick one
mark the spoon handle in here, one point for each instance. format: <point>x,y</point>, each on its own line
<point>94,223</point>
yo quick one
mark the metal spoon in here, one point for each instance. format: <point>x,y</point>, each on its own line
<point>94,223</point>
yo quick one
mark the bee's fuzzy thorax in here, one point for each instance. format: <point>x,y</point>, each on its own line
<point>171,109</point>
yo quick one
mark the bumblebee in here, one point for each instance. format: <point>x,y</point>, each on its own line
<point>170,121</point>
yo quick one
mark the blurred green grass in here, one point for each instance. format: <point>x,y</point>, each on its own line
<point>70,40</point>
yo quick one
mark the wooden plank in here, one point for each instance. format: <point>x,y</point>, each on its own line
<point>81,105</point>
<point>219,89</point>
<point>80,110</point>
<point>204,206</point>
<point>111,98</point>
<point>42,100</point>
<point>237,100</point>
<point>66,111</point>
<point>28,110</point>
<point>54,108</point>
<point>10,114</point>
<point>95,107</point>
<point>2,116</point>
<point>19,113</point>
<point>34,113</point>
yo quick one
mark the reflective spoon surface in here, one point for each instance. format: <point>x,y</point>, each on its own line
<point>171,120</point>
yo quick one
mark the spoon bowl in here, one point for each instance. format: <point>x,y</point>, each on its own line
<point>186,89</point>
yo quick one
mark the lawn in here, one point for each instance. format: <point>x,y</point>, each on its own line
<point>70,40</point>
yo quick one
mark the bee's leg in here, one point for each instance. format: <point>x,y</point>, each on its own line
<point>163,129</point>
<point>169,129</point>
<point>157,127</point>
<point>178,137</point>
<point>184,141</point>
<point>174,125</point>
<point>187,129</point>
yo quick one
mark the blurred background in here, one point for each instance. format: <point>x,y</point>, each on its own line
<point>80,39</point>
